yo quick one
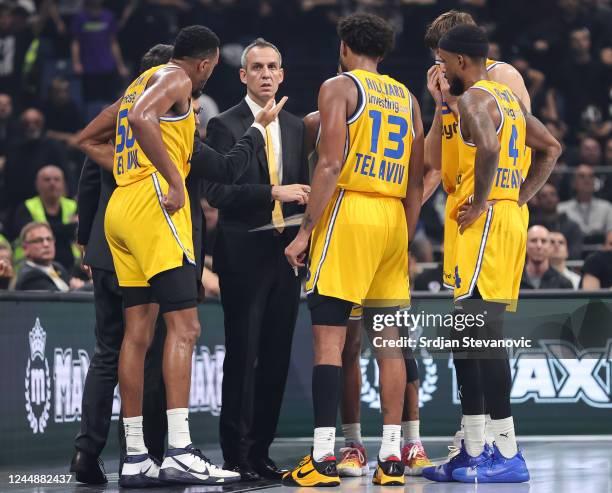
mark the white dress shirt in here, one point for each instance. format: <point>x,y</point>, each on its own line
<point>274,132</point>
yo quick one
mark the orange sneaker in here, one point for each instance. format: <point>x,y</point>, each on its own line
<point>354,461</point>
<point>414,458</point>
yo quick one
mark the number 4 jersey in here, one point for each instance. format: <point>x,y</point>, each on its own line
<point>511,133</point>
<point>131,164</point>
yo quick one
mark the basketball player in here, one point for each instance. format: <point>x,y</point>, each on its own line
<point>148,228</point>
<point>354,461</point>
<point>441,147</point>
<point>365,200</point>
<point>494,127</point>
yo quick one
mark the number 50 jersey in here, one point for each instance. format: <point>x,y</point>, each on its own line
<point>130,162</point>
<point>379,137</point>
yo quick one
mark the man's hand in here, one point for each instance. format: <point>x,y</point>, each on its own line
<point>76,283</point>
<point>270,112</point>
<point>468,213</point>
<point>291,193</point>
<point>77,68</point>
<point>296,251</point>
<point>6,269</point>
<point>174,199</point>
<point>433,85</point>
<point>449,99</point>
<point>84,267</point>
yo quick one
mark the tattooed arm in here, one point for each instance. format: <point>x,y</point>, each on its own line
<point>337,99</point>
<point>547,151</point>
<point>479,118</point>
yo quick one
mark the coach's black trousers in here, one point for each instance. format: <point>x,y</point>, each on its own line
<point>260,309</point>
<point>103,373</point>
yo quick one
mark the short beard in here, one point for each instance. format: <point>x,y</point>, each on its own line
<point>457,88</point>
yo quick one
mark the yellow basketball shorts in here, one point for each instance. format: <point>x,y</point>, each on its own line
<point>143,237</point>
<point>490,255</point>
<point>359,250</point>
<point>450,239</point>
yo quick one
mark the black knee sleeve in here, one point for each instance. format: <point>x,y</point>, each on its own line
<point>325,310</point>
<point>134,296</point>
<point>412,370</point>
<point>175,289</point>
<point>326,392</point>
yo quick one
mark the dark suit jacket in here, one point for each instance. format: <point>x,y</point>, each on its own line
<point>96,187</point>
<point>248,203</point>
<point>33,279</point>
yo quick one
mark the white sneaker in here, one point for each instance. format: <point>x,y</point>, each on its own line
<point>139,471</point>
<point>190,466</point>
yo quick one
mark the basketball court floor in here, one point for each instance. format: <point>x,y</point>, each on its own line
<point>557,465</point>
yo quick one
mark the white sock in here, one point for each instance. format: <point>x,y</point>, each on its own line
<point>134,439</point>
<point>410,429</point>
<point>474,438</point>
<point>178,427</point>
<point>391,442</point>
<point>352,433</point>
<point>489,437</point>
<point>505,439</point>
<point>459,434</point>
<point>324,441</point>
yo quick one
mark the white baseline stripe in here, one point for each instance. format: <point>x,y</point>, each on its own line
<point>327,239</point>
<point>168,218</point>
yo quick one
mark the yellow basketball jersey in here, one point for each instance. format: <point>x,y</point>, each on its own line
<point>491,64</point>
<point>131,164</point>
<point>450,142</point>
<point>511,134</point>
<point>379,137</point>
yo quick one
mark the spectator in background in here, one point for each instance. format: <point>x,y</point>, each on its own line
<point>40,272</point>
<point>589,152</point>
<point>96,54</point>
<point>606,189</point>
<point>14,43</point>
<point>593,215</point>
<point>26,157</point>
<point>558,256</point>
<point>581,78</point>
<point>9,128</point>
<point>597,268</point>
<point>52,207</point>
<point>62,113</point>
<point>547,215</point>
<point>538,273</point>
<point>6,265</point>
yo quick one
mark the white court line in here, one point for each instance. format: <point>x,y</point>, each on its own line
<point>526,438</point>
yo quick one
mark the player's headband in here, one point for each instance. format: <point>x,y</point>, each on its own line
<point>465,39</point>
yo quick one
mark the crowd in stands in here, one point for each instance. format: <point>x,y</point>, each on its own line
<point>61,61</point>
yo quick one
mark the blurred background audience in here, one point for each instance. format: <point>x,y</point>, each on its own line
<point>61,61</point>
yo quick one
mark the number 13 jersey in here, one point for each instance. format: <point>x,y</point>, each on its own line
<point>130,163</point>
<point>379,136</point>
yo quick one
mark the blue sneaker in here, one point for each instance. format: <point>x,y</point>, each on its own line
<point>444,472</point>
<point>139,471</point>
<point>496,469</point>
<point>190,466</point>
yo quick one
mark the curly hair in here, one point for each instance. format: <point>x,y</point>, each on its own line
<point>158,55</point>
<point>195,42</point>
<point>367,34</point>
<point>444,23</point>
